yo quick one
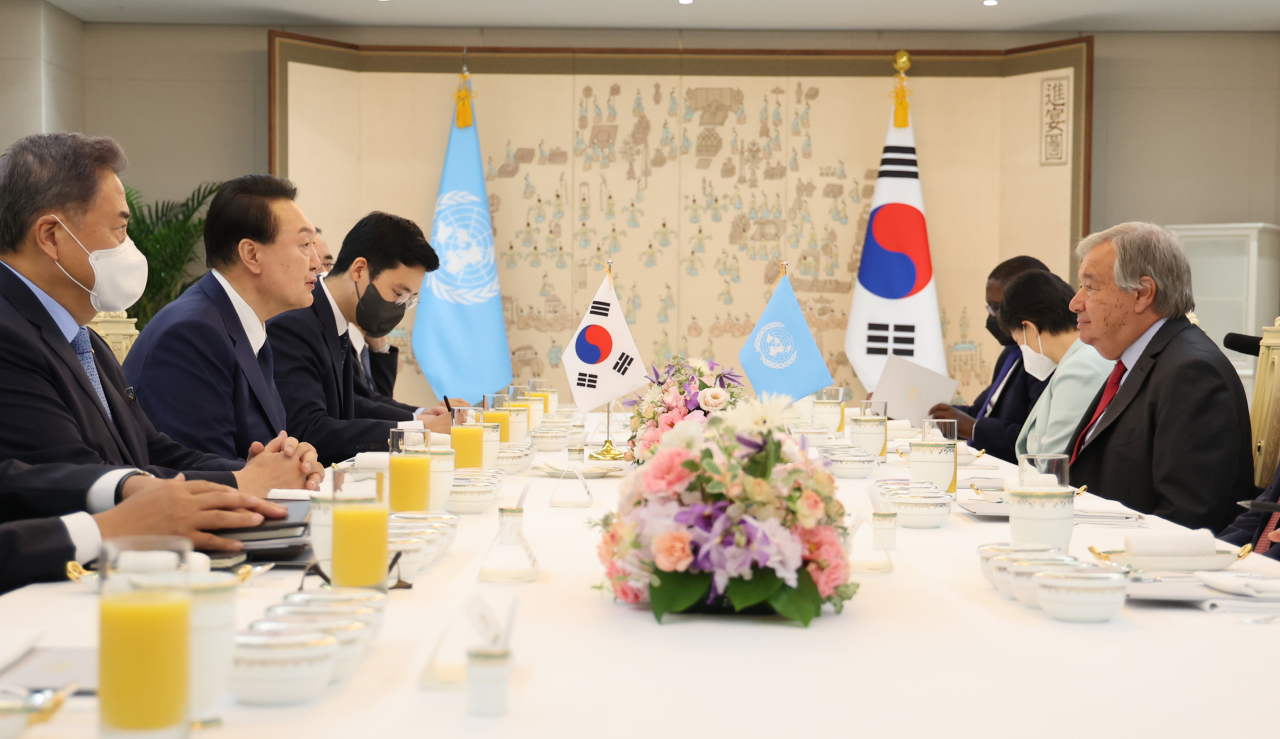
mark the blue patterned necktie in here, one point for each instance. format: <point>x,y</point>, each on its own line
<point>84,353</point>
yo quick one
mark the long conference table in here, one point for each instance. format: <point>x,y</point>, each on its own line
<point>928,649</point>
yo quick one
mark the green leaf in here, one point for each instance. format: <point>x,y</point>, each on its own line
<point>690,465</point>
<point>715,486</point>
<point>746,593</point>
<point>702,385</point>
<point>676,591</point>
<point>712,468</point>
<point>801,603</point>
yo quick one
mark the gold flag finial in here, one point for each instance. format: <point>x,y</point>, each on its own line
<point>901,108</point>
<point>463,98</point>
<point>781,273</point>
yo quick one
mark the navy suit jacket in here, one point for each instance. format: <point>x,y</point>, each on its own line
<point>196,376</point>
<point>316,379</point>
<point>53,414</point>
<point>997,432</point>
<point>35,545</point>
<point>375,377</point>
<point>1248,526</point>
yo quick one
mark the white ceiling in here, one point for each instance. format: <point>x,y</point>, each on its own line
<point>845,15</point>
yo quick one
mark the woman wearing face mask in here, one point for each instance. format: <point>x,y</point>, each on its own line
<point>1035,312</point>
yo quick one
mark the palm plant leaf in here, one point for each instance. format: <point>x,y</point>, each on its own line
<point>167,233</point>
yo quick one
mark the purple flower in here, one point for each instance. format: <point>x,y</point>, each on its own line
<point>731,549</point>
<point>730,376</point>
<point>752,444</point>
<point>702,516</point>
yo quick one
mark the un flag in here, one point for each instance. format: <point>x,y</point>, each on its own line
<point>459,336</point>
<point>781,356</point>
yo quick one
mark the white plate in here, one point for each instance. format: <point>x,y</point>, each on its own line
<point>1223,559</point>
<point>1182,590</point>
<point>987,509</point>
<point>589,472</point>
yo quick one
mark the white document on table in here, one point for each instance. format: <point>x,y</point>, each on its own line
<point>910,390</point>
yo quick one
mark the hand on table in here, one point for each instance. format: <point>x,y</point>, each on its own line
<point>964,422</point>
<point>180,508</point>
<point>439,424</point>
<point>283,463</point>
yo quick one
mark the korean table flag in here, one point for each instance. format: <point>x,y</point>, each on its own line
<point>780,356</point>
<point>602,360</point>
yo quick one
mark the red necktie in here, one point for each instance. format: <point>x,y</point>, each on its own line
<point>1264,541</point>
<point>1113,384</point>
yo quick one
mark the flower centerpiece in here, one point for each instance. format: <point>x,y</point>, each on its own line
<point>729,515</point>
<point>687,389</point>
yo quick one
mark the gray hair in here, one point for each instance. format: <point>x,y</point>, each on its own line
<point>51,171</point>
<point>1146,250</point>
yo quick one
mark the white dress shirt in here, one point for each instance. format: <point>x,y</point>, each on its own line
<point>254,328</point>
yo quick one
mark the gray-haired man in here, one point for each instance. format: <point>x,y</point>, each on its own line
<point>1169,433</point>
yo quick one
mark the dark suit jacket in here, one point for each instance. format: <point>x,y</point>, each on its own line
<point>1175,439</point>
<point>45,490</point>
<point>1248,526</point>
<point>997,432</point>
<point>197,379</point>
<point>317,385</point>
<point>375,374</point>
<point>52,413</point>
<point>34,545</point>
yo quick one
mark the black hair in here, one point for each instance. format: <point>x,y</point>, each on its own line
<point>1011,268</point>
<point>51,171</point>
<point>386,242</point>
<point>241,209</point>
<point>1040,298</point>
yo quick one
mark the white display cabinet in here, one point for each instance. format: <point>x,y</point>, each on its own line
<point>1235,272</point>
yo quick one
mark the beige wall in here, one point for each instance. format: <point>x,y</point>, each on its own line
<point>1185,125</point>
<point>41,70</point>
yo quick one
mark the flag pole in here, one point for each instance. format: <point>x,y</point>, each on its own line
<point>608,452</point>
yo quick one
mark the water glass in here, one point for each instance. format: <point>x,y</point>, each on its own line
<point>1042,503</point>
<point>939,428</point>
<point>873,408</point>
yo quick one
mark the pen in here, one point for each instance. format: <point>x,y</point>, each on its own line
<point>1257,505</point>
<point>447,406</point>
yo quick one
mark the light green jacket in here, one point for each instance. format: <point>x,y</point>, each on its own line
<point>1078,378</point>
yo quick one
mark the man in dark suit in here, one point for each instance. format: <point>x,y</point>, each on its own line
<point>202,368</point>
<point>375,279</point>
<point>996,417</point>
<point>44,524</point>
<point>1258,527</point>
<point>65,254</point>
<point>1169,434</point>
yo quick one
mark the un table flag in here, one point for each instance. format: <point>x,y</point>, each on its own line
<point>895,300</point>
<point>602,361</point>
<point>459,335</point>
<point>780,356</point>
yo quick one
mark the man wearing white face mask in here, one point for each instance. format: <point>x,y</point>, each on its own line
<point>63,396</point>
<point>1035,311</point>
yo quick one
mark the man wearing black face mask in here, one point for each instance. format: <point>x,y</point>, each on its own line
<point>996,416</point>
<point>373,282</point>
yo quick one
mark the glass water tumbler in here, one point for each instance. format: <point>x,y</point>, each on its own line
<point>510,558</point>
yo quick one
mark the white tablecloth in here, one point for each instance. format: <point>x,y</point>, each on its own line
<point>927,649</point>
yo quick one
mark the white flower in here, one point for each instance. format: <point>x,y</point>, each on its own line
<point>758,415</point>
<point>685,434</point>
<point>791,451</point>
<point>652,395</point>
<point>700,366</point>
<point>713,398</point>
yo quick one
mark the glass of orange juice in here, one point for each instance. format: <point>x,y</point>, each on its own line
<point>496,411</point>
<point>518,397</point>
<point>410,473</point>
<point>467,438</point>
<point>144,626</point>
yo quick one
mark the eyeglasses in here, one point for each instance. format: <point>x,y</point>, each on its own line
<point>993,310</point>
<point>408,300</point>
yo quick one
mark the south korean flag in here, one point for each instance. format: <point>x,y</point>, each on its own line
<point>602,361</point>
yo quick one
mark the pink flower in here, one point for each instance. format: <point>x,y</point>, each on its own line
<point>671,551</point>
<point>651,437</point>
<point>820,544</point>
<point>828,578</point>
<point>622,589</point>
<point>698,416</point>
<point>665,474</point>
<point>668,421</point>
<point>672,398</point>
<point>810,509</point>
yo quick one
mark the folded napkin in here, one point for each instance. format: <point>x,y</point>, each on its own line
<point>1197,543</point>
<point>1241,606</point>
<point>376,460</point>
<point>1240,584</point>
